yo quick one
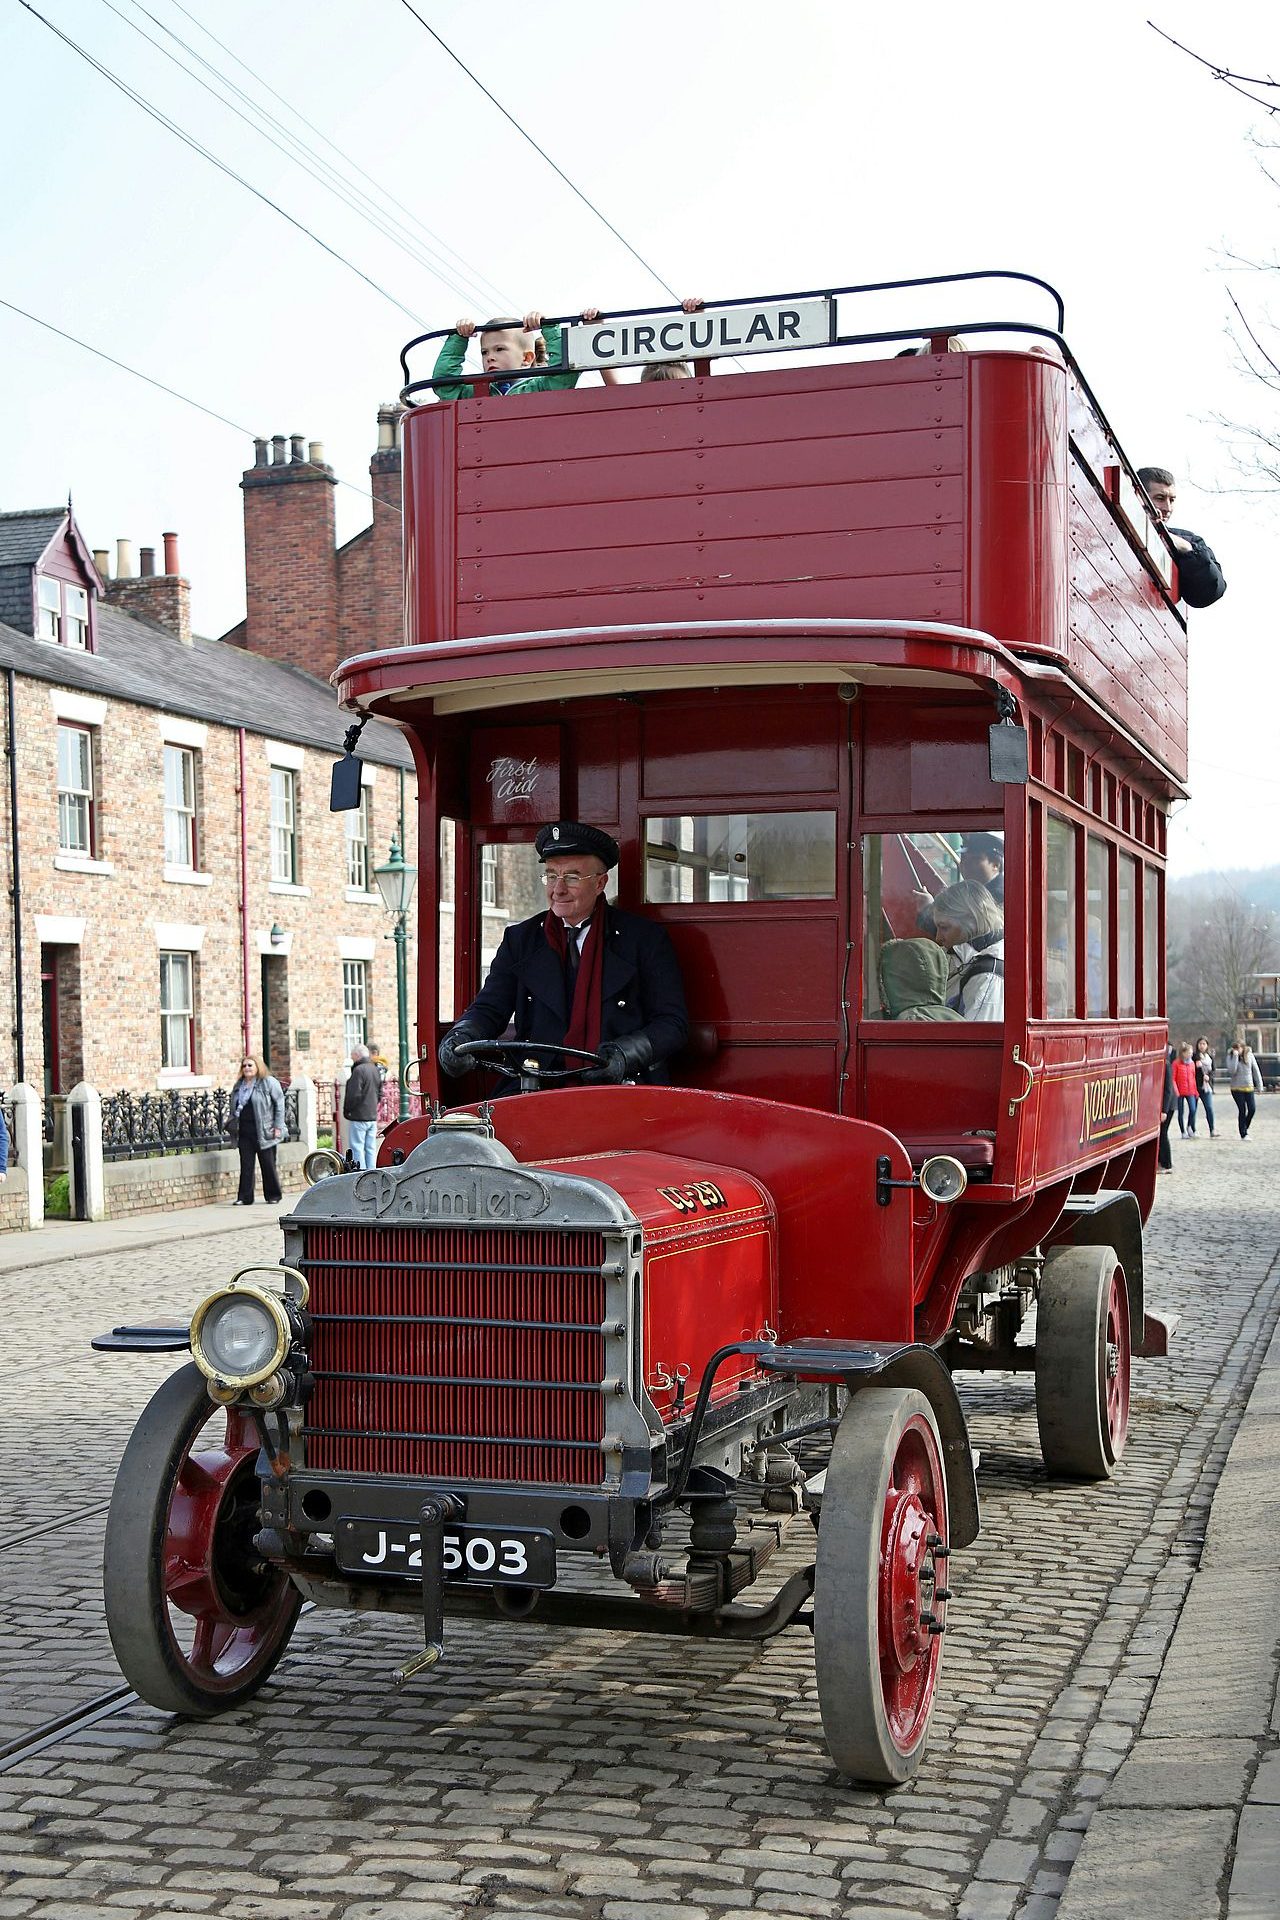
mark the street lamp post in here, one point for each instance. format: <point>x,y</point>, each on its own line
<point>396,882</point>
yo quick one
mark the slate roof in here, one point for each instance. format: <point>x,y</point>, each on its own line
<point>206,681</point>
<point>25,535</point>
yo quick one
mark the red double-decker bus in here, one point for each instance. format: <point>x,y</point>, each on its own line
<point>871,662</point>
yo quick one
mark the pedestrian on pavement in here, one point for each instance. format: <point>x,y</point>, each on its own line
<point>1246,1084</point>
<point>360,1106</point>
<point>1168,1107</point>
<point>1184,1082</point>
<point>4,1148</point>
<point>1204,1081</point>
<point>257,1125</point>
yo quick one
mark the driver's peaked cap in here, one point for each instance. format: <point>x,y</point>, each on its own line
<point>570,836</point>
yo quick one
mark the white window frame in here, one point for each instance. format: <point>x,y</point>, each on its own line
<point>75,618</point>
<point>49,614</point>
<point>355,1004</point>
<point>177,1011</point>
<point>359,826</point>
<point>284,826</point>
<point>489,875</point>
<point>181,842</point>
<point>77,802</point>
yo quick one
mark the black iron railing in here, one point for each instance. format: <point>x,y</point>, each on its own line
<point>138,1126</point>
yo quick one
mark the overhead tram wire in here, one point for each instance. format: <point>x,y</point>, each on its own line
<point>541,151</point>
<point>174,394</point>
<point>502,300</point>
<point>189,140</point>
<point>304,156</point>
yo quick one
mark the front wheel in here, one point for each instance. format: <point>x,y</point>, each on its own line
<point>880,1592</point>
<point>196,1617</point>
<point>1083,1351</point>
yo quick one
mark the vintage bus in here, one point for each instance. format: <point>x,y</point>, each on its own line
<point>827,643</point>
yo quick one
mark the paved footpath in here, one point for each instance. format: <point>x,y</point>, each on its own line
<point>1105,1740</point>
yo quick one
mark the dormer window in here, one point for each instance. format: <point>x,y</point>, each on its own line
<point>62,612</point>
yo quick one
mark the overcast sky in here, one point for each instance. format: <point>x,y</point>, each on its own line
<point>738,146</point>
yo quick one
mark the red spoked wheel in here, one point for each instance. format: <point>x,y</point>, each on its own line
<point>880,1596</point>
<point>1083,1355</point>
<point>197,1618</point>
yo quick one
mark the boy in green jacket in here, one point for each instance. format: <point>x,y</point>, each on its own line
<point>507,348</point>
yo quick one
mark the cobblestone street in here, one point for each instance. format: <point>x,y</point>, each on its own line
<point>599,1776</point>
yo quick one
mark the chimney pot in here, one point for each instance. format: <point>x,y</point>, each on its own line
<point>386,430</point>
<point>315,453</point>
<point>124,559</point>
<point>147,563</point>
<point>259,453</point>
<point>277,449</point>
<point>171,553</point>
<point>298,454</point>
<point>102,561</point>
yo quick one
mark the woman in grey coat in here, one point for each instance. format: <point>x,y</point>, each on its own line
<point>257,1126</point>
<point>1245,1081</point>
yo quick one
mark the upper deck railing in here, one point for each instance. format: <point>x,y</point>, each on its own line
<point>819,304</point>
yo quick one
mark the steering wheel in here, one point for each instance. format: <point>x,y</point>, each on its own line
<point>520,1057</point>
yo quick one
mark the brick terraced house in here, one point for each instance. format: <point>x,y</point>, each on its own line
<point>176,881</point>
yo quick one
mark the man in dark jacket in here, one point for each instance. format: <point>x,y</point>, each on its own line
<point>584,974</point>
<point>360,1106</point>
<point>1201,580</point>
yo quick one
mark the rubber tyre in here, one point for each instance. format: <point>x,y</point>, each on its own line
<point>1083,1355</point>
<point>884,1499</point>
<point>196,1620</point>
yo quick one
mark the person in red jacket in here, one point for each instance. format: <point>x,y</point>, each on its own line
<point>1184,1085</point>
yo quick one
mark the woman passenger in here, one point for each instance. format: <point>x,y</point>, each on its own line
<point>969,924</point>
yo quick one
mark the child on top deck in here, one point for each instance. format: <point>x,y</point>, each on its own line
<point>509,349</point>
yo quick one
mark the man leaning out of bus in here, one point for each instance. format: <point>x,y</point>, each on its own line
<point>512,350</point>
<point>1201,580</point>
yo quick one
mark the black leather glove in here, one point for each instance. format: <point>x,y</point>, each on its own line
<point>451,1062</point>
<point>621,1059</point>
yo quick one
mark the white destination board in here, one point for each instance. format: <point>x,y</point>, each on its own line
<point>775,326</point>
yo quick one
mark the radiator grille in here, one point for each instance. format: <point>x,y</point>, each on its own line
<point>456,1353</point>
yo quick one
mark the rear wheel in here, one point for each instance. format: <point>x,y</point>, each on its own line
<point>196,1617</point>
<point>1083,1354</point>
<point>880,1592</point>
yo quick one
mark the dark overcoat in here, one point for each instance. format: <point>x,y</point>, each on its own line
<point>641,988</point>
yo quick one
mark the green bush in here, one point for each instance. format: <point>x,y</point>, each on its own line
<point>57,1198</point>
<point>324,1136</point>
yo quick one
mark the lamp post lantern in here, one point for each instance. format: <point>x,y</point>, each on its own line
<point>396,880</point>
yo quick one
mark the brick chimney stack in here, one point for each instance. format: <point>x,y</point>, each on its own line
<point>386,486</point>
<point>162,598</point>
<point>291,574</point>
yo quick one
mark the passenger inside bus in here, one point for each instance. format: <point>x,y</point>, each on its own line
<point>968,923</point>
<point>913,980</point>
<point>921,892</point>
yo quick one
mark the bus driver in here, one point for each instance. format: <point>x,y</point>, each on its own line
<point>584,974</point>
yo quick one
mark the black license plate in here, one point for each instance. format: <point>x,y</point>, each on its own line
<point>473,1556</point>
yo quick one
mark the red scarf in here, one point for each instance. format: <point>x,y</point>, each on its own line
<point>584,1018</point>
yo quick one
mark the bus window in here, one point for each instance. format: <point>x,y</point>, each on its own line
<point>1126,936</point>
<point>1097,931</point>
<point>1060,919</point>
<point>1150,941</point>
<point>943,891</point>
<point>697,858</point>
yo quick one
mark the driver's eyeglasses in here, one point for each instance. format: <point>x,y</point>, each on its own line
<point>569,879</point>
